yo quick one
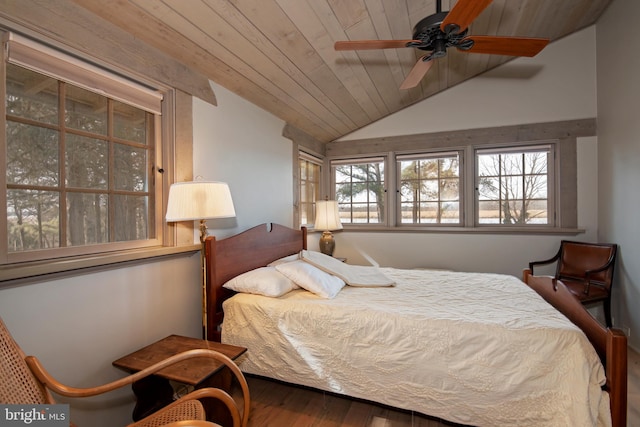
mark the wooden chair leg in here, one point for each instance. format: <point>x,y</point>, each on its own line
<point>607,312</point>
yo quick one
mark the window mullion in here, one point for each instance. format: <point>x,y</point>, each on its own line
<point>62,187</point>
<point>111,186</point>
<point>4,243</point>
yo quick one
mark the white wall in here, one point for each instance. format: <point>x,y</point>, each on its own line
<point>619,154</point>
<point>242,144</point>
<point>78,326</point>
<point>562,88</point>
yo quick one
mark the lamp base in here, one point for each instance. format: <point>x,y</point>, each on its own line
<point>327,243</point>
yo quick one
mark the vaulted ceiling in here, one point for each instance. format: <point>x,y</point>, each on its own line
<point>279,54</point>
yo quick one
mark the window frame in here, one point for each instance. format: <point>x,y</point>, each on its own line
<point>564,134</point>
<point>425,155</point>
<point>552,166</point>
<point>164,239</point>
<point>386,185</point>
<point>468,187</point>
<point>304,156</point>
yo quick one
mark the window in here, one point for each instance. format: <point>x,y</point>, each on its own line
<point>310,176</point>
<point>517,178</point>
<point>513,186</point>
<point>429,189</point>
<point>509,187</point>
<point>79,159</point>
<point>360,190</point>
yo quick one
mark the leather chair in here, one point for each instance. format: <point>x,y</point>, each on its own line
<point>23,380</point>
<point>587,270</point>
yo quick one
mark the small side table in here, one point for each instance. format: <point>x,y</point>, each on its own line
<point>155,391</point>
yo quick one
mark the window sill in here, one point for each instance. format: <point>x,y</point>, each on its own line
<point>464,230</point>
<point>31,272</point>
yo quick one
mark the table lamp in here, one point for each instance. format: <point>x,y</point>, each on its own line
<point>200,200</point>
<point>327,219</point>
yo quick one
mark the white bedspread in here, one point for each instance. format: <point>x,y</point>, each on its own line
<point>477,349</point>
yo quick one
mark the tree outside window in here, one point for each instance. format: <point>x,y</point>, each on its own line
<point>360,192</point>
<point>513,186</point>
<point>430,189</point>
<point>75,177</point>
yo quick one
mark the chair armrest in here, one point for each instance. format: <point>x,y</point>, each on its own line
<point>198,394</point>
<point>51,383</point>
<point>544,262</point>
<point>588,273</point>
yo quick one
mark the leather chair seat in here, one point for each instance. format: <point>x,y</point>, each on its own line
<point>596,293</point>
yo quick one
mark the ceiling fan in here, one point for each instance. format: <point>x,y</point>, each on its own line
<point>442,30</point>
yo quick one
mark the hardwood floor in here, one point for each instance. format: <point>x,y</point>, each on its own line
<point>275,404</point>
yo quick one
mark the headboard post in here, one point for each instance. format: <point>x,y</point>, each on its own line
<point>232,256</point>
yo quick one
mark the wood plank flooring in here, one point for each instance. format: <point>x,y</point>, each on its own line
<point>274,404</point>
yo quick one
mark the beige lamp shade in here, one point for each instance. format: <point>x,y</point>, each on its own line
<point>327,216</point>
<point>197,200</point>
<point>327,219</point>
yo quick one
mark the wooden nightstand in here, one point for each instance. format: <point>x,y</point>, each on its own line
<point>155,391</point>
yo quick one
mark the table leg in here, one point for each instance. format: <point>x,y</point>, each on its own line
<point>152,393</point>
<point>217,411</point>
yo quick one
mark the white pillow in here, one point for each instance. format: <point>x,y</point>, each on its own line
<point>288,258</point>
<point>265,281</point>
<point>312,278</point>
<point>353,275</point>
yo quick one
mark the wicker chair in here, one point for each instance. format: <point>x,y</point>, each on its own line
<point>23,380</point>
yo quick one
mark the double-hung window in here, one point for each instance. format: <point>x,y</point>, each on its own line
<point>81,144</point>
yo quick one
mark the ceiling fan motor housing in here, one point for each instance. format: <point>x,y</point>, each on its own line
<point>432,37</point>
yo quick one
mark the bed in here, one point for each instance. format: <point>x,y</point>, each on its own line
<point>505,357</point>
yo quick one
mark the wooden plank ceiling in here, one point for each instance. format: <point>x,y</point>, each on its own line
<point>279,54</point>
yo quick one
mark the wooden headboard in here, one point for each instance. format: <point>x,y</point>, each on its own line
<point>230,257</point>
<point>611,344</point>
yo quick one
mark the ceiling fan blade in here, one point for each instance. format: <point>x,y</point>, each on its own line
<point>417,73</point>
<point>514,46</point>
<point>462,14</point>
<point>372,44</point>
